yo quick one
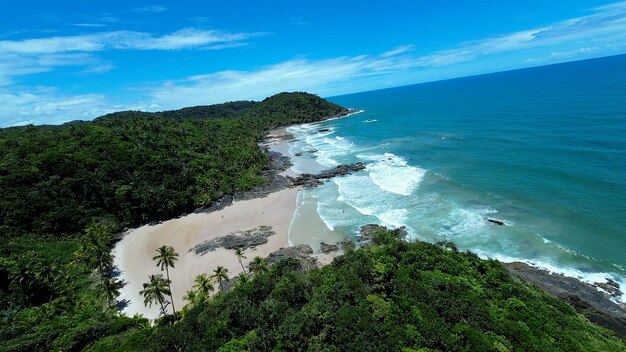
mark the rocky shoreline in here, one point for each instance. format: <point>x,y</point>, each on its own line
<point>595,304</point>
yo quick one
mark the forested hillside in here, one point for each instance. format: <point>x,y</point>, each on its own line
<point>135,167</point>
<point>66,191</point>
<point>395,296</point>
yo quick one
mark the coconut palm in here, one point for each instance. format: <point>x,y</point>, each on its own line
<point>258,265</point>
<point>94,247</point>
<point>240,255</point>
<point>220,275</point>
<point>154,291</point>
<point>111,287</point>
<point>242,278</point>
<point>203,284</point>
<point>165,259</point>
<point>191,297</point>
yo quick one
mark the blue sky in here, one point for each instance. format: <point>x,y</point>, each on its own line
<point>67,60</point>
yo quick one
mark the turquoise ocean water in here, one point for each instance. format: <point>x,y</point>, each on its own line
<point>542,149</point>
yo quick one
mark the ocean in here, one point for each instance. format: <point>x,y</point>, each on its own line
<point>541,149</point>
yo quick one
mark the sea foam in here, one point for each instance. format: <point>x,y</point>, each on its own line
<point>392,173</point>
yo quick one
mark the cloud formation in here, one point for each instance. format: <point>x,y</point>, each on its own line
<point>27,56</point>
<point>117,40</point>
<point>318,76</point>
<point>48,106</point>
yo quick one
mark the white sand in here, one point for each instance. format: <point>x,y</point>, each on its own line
<point>134,253</point>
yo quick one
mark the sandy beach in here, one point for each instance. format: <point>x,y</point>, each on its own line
<point>134,253</point>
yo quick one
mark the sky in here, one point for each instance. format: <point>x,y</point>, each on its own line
<point>67,60</point>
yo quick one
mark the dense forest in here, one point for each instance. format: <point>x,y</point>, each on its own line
<point>67,191</point>
<point>395,296</point>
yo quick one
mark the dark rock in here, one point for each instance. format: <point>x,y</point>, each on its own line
<point>310,180</point>
<point>325,130</point>
<point>243,239</point>
<point>302,252</point>
<point>598,306</point>
<point>611,287</point>
<point>327,248</point>
<point>312,151</point>
<point>367,231</point>
<point>298,154</point>
<point>494,221</point>
<point>347,244</point>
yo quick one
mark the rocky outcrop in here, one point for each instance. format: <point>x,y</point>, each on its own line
<point>302,252</point>
<point>241,239</point>
<point>610,287</point>
<point>347,244</point>
<point>310,180</point>
<point>327,248</point>
<point>598,306</point>
<point>366,232</point>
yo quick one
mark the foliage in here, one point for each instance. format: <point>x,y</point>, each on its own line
<point>165,260</point>
<point>395,296</point>
<point>137,167</point>
<point>66,191</point>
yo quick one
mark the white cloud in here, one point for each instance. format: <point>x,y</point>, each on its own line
<point>319,77</point>
<point>398,50</point>
<point>27,56</point>
<point>608,23</point>
<point>603,32</point>
<point>182,39</point>
<point>48,106</point>
<point>151,8</point>
<point>89,25</point>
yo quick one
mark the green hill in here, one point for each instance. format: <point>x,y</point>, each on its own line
<point>396,296</point>
<point>66,191</point>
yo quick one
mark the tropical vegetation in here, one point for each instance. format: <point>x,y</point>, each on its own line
<point>395,296</point>
<point>67,192</point>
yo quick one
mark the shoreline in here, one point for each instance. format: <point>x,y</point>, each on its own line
<point>598,302</point>
<point>593,302</point>
<point>272,205</point>
<point>134,252</point>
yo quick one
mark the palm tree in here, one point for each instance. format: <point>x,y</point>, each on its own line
<point>221,275</point>
<point>94,251</point>
<point>155,290</point>
<point>204,284</point>
<point>240,255</point>
<point>258,265</point>
<point>191,297</point>
<point>242,278</point>
<point>111,287</point>
<point>165,259</point>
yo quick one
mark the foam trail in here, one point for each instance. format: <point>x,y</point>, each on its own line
<point>392,173</point>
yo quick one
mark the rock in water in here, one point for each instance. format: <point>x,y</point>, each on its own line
<point>494,221</point>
